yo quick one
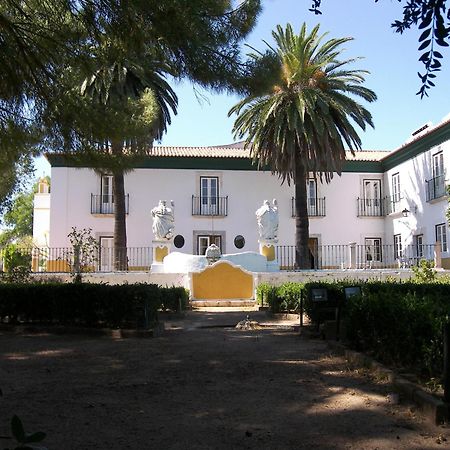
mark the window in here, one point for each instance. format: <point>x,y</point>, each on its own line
<point>209,195</point>
<point>106,259</point>
<point>373,249</point>
<point>204,241</point>
<point>311,188</point>
<point>441,236</point>
<point>372,197</point>
<point>396,187</point>
<point>438,164</point>
<point>106,188</point>
<point>438,182</point>
<point>418,245</point>
<point>398,251</point>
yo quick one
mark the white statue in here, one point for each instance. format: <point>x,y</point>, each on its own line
<point>267,217</point>
<point>163,221</point>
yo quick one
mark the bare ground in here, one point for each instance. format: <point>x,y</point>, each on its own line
<point>201,388</point>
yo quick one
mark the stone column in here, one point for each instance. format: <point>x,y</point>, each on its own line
<point>437,255</point>
<point>352,255</point>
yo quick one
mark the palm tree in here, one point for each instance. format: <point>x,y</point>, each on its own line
<point>296,115</point>
<point>141,101</point>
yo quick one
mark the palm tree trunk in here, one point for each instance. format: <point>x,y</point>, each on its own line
<point>120,230</point>
<point>302,257</point>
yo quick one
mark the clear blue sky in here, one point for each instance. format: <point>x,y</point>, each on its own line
<point>392,60</point>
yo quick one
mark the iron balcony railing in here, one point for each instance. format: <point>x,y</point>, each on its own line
<point>370,207</point>
<point>209,206</point>
<point>392,205</point>
<point>316,207</point>
<point>358,256</point>
<point>63,259</point>
<point>435,187</point>
<point>104,204</point>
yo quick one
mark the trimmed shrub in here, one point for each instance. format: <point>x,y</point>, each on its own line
<point>402,328</point>
<point>267,295</point>
<point>174,298</point>
<point>289,295</point>
<point>80,304</point>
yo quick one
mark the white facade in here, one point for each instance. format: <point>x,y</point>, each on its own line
<point>411,179</point>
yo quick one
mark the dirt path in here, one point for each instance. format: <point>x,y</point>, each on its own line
<point>200,388</point>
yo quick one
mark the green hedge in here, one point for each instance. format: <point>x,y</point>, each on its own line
<point>400,323</point>
<point>86,304</point>
<point>279,298</point>
<point>404,328</point>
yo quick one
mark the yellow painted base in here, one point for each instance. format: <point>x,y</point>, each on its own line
<point>222,281</point>
<point>161,253</point>
<point>138,268</point>
<point>57,265</point>
<point>445,263</point>
<point>268,251</point>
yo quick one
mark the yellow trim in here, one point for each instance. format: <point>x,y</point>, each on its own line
<point>138,268</point>
<point>57,265</point>
<point>161,253</point>
<point>268,251</point>
<point>222,281</point>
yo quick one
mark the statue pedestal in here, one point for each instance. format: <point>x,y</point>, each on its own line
<point>160,251</point>
<point>267,249</point>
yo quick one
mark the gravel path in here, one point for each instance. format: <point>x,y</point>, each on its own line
<point>200,388</point>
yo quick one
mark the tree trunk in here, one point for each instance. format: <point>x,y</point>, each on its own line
<point>120,229</point>
<point>302,253</point>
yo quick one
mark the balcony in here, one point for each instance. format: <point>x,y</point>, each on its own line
<point>210,206</point>
<point>316,207</point>
<point>392,205</point>
<point>104,204</point>
<point>435,188</point>
<point>370,207</point>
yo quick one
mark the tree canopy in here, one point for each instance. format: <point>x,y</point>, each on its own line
<point>300,114</point>
<point>432,17</point>
<point>49,46</point>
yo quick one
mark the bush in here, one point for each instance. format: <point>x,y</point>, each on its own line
<point>15,256</point>
<point>289,295</point>
<point>267,295</point>
<point>80,304</point>
<point>335,296</point>
<point>174,298</point>
<point>282,298</point>
<point>403,328</point>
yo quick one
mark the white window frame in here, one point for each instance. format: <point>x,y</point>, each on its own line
<point>441,236</point>
<point>372,196</point>
<point>398,249</point>
<point>373,249</point>
<point>311,195</point>
<point>205,240</point>
<point>209,203</point>
<point>418,246</point>
<point>106,257</point>
<point>438,164</point>
<point>106,192</point>
<point>396,193</point>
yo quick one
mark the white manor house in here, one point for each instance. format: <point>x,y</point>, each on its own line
<point>387,209</point>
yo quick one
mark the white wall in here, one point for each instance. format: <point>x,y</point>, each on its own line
<point>246,191</point>
<point>423,216</point>
<point>41,219</point>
